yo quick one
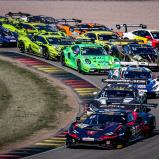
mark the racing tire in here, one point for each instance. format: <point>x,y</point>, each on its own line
<point>79,67</point>
<point>69,142</point>
<point>62,59</point>
<point>45,53</point>
<point>152,127</point>
<point>21,47</point>
<point>126,38</point>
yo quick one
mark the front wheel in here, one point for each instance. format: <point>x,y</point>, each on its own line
<point>69,142</point>
<point>62,59</point>
<point>21,47</point>
<point>46,54</point>
<point>79,67</point>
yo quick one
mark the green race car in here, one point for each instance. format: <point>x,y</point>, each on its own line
<point>47,46</point>
<point>88,58</point>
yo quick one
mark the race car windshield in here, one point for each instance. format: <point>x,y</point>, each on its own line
<point>117,93</point>
<point>96,51</point>
<point>5,33</point>
<point>105,37</point>
<point>103,28</point>
<point>155,34</point>
<point>142,50</point>
<point>65,42</point>
<point>137,75</point>
<point>58,41</point>
<point>103,119</point>
<point>47,28</point>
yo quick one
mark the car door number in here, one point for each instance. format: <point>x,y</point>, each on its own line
<point>135,130</point>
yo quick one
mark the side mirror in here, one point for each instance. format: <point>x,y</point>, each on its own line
<point>76,53</point>
<point>148,37</point>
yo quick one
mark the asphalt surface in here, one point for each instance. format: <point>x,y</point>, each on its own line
<point>147,148</point>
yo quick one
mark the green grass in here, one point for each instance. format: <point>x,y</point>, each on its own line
<point>5,97</point>
<point>27,103</point>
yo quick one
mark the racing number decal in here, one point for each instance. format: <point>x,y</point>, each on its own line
<point>135,130</point>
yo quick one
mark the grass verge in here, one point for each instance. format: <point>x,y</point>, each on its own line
<point>27,103</point>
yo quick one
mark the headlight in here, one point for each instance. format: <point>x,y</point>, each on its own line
<point>87,61</point>
<point>110,62</point>
<point>141,93</point>
<point>109,133</point>
<point>56,46</point>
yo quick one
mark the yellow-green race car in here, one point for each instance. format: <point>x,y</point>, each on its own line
<point>47,46</point>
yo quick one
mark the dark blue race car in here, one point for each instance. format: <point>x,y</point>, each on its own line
<point>112,127</point>
<point>138,73</point>
<point>7,38</point>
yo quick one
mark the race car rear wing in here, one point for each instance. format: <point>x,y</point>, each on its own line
<point>132,81</point>
<point>126,26</point>
<point>11,14</point>
<point>127,106</point>
<point>84,28</point>
<point>134,41</point>
<point>78,41</point>
<point>146,64</point>
<point>150,105</point>
<point>69,21</point>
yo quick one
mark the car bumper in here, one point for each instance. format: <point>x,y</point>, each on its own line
<point>106,143</point>
<point>98,71</point>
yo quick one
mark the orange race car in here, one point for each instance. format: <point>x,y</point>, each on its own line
<point>79,27</point>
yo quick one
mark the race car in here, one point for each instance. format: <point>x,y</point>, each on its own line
<point>65,25</point>
<point>7,38</point>
<point>12,27</point>
<point>101,37</point>
<point>136,54</point>
<point>150,37</point>
<point>82,28</point>
<point>122,91</point>
<point>138,73</point>
<point>44,45</point>
<point>3,19</point>
<point>23,28</point>
<point>113,127</point>
<point>15,17</point>
<point>41,19</point>
<point>88,58</point>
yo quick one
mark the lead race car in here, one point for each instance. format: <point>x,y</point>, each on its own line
<point>114,126</point>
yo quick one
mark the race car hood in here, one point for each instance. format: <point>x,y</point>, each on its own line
<point>102,60</point>
<point>145,57</point>
<point>95,131</point>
